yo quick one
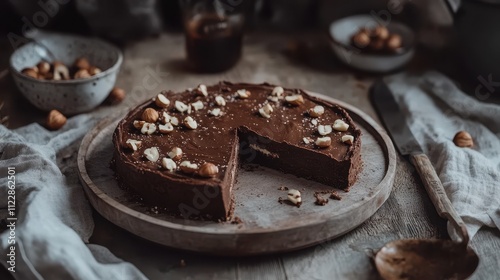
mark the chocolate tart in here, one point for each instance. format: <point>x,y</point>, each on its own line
<point>283,138</point>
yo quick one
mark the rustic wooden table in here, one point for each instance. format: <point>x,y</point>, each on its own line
<point>293,61</point>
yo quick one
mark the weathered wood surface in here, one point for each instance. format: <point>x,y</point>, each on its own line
<point>408,213</point>
<point>268,226</point>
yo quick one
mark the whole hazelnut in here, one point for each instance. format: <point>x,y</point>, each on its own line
<point>82,63</point>
<point>381,32</point>
<point>150,115</point>
<point>43,67</point>
<point>463,139</point>
<point>208,170</point>
<point>361,39</point>
<point>377,44</point>
<point>94,70</point>
<point>394,42</point>
<point>48,76</point>
<point>115,96</point>
<point>61,72</point>
<point>82,74</point>
<point>55,120</point>
<point>30,72</point>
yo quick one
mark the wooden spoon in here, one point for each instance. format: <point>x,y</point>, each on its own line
<point>430,258</point>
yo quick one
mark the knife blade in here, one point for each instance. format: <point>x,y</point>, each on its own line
<point>395,122</point>
<point>393,119</point>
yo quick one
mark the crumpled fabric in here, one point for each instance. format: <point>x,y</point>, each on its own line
<point>436,109</point>
<point>54,219</point>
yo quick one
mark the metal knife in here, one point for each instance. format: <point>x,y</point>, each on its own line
<point>395,122</point>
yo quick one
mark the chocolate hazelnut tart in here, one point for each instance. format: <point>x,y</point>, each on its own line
<point>187,159</point>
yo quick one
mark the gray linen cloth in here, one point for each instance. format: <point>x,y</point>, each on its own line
<point>436,109</point>
<point>54,219</point>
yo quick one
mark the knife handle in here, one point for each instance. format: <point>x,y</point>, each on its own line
<point>438,196</point>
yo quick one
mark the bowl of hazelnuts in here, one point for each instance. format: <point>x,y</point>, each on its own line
<point>364,43</point>
<point>78,78</point>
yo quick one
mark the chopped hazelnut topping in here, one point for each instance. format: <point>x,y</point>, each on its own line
<point>340,125</point>
<point>243,93</point>
<point>164,118</point>
<point>133,144</point>
<point>220,100</point>
<point>188,167</point>
<point>162,101</point>
<point>316,111</point>
<point>152,154</point>
<point>215,112</point>
<point>278,92</point>
<point>198,105</point>
<point>203,90</point>
<point>307,140</point>
<point>175,153</point>
<point>180,106</point>
<point>148,128</point>
<point>348,139</point>
<point>165,128</point>
<point>168,164</point>
<point>174,121</point>
<point>190,123</point>
<point>274,99</point>
<point>324,129</point>
<point>295,100</point>
<point>139,124</point>
<point>266,111</point>
<point>323,142</point>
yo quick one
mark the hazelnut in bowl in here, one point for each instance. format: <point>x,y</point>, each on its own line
<point>77,79</point>
<point>363,43</point>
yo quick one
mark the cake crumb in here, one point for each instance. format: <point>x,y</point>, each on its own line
<point>280,200</point>
<point>335,195</point>
<point>182,263</point>
<point>320,200</point>
<point>321,192</point>
<point>282,188</point>
<point>236,221</point>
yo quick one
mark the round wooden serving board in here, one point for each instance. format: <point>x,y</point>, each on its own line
<point>268,226</point>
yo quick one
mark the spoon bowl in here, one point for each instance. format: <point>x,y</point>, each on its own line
<point>425,259</point>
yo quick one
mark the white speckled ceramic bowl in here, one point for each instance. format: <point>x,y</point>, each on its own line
<point>342,30</point>
<point>68,96</point>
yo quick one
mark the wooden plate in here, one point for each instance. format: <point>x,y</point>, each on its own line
<point>268,226</point>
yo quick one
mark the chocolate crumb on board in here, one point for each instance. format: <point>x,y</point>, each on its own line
<point>322,192</point>
<point>282,188</point>
<point>236,221</point>
<point>182,263</point>
<point>335,195</point>
<point>320,200</point>
<point>280,200</point>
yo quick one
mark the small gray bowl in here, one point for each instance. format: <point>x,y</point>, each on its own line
<point>68,96</point>
<point>342,30</point>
